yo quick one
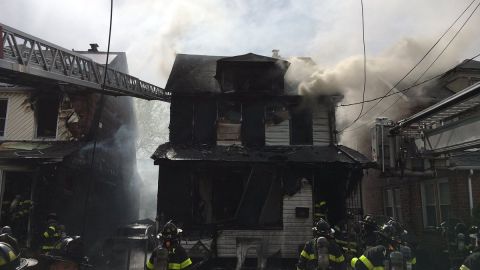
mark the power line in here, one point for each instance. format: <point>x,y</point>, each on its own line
<point>439,55</point>
<point>364,64</point>
<point>408,88</point>
<point>413,68</point>
<point>95,124</point>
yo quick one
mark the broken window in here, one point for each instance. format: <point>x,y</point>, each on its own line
<point>46,113</point>
<point>301,130</point>
<point>229,123</point>
<point>181,121</point>
<point>277,125</point>
<point>3,116</point>
<point>205,114</point>
<point>16,206</point>
<point>253,124</point>
<point>217,196</point>
<point>238,197</point>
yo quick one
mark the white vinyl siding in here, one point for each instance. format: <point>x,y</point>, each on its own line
<point>20,117</point>
<point>278,134</point>
<point>296,231</point>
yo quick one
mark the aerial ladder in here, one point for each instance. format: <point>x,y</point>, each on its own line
<point>31,61</point>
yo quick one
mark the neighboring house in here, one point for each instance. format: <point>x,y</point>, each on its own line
<point>395,186</point>
<point>249,158</point>
<point>47,135</point>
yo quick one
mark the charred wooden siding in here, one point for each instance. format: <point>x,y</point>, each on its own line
<point>295,232</point>
<point>321,126</point>
<point>20,124</point>
<point>278,134</point>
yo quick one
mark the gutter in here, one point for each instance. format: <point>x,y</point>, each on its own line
<point>463,95</point>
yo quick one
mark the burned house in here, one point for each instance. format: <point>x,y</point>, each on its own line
<point>248,158</point>
<point>66,142</point>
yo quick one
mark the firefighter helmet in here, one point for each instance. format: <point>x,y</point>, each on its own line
<point>322,227</point>
<point>6,229</point>
<point>69,249</point>
<point>170,231</point>
<point>9,258</point>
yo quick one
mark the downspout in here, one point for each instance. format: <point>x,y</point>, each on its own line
<point>470,195</point>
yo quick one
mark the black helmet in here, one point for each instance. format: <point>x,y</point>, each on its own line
<point>170,231</point>
<point>322,227</point>
<point>6,229</point>
<point>9,258</point>
<point>69,249</point>
<point>388,230</point>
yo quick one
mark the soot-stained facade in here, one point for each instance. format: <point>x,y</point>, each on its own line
<point>46,143</point>
<point>248,158</point>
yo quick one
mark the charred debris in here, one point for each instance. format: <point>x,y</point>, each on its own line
<point>46,152</point>
<point>248,158</point>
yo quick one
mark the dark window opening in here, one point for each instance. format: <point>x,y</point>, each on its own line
<point>205,115</point>
<point>229,119</point>
<point>181,121</point>
<point>253,124</point>
<point>46,115</point>
<point>277,125</point>
<point>15,211</point>
<point>3,116</point>
<point>238,198</point>
<point>301,130</point>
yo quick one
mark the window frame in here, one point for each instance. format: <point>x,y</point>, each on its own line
<point>45,138</point>
<point>6,117</point>
<point>436,194</point>
<point>396,208</point>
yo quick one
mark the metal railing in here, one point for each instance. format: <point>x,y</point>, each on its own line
<point>27,60</point>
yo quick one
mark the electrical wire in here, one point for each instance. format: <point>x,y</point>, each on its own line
<point>414,67</point>
<point>408,88</point>
<point>95,126</point>
<point>438,56</point>
<point>364,63</point>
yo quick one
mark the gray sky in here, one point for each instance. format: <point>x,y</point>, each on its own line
<point>151,31</point>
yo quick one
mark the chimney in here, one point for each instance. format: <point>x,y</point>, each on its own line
<point>275,53</point>
<point>93,47</point>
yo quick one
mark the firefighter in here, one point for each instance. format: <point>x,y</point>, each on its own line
<point>177,257</point>
<point>68,254</point>
<point>19,208</point>
<point>320,210</point>
<point>310,255</point>
<point>52,233</point>
<point>6,236</point>
<point>369,232</point>
<point>10,258</point>
<point>472,262</point>
<point>372,259</point>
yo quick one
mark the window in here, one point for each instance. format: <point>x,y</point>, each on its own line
<point>277,125</point>
<point>392,204</point>
<point>46,112</point>
<point>3,116</point>
<point>301,128</point>
<point>436,202</point>
<point>229,119</point>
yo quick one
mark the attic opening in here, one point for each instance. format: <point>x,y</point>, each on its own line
<point>46,115</point>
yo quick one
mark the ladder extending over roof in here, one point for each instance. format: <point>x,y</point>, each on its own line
<point>28,60</point>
